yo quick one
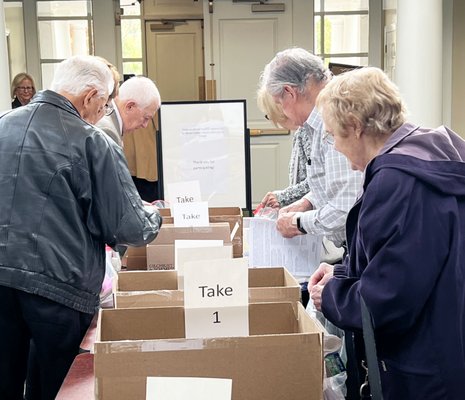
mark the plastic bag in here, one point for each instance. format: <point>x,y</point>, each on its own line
<point>266,212</point>
<point>335,374</point>
<point>112,266</point>
<point>160,204</point>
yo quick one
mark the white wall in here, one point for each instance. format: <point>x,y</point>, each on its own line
<point>15,27</point>
<point>5,101</point>
<point>458,68</point>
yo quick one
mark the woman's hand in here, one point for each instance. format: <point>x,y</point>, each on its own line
<point>318,281</point>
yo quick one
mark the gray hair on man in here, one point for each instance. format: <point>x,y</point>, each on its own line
<point>293,67</point>
<point>141,90</point>
<point>77,74</point>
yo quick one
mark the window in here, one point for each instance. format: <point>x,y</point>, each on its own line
<point>131,38</point>
<point>65,29</point>
<point>341,31</point>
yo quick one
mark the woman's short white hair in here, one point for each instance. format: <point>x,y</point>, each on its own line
<point>366,95</point>
<point>78,74</point>
<point>139,89</point>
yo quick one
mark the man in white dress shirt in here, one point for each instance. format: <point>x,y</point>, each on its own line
<point>137,102</point>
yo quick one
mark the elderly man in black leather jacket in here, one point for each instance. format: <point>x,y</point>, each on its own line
<point>65,192</point>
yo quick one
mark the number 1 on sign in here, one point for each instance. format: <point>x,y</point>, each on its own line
<point>216,321</point>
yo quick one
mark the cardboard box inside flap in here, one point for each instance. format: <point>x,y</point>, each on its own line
<point>167,280</point>
<point>143,280</point>
<point>152,298</point>
<point>161,256</point>
<point>273,284</point>
<point>134,262</point>
<point>169,233</point>
<point>231,215</point>
<point>213,211</point>
<point>135,251</point>
<point>271,277</point>
<point>168,322</point>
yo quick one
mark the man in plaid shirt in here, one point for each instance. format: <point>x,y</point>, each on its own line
<point>294,78</point>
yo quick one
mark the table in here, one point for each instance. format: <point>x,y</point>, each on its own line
<point>79,382</point>
<point>89,338</point>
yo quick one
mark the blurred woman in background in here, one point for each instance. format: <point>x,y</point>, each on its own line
<point>23,89</point>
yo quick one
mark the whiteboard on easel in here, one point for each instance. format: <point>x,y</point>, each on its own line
<point>206,141</point>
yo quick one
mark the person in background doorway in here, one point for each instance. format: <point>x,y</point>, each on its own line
<point>66,192</point>
<point>23,89</point>
<point>405,239</point>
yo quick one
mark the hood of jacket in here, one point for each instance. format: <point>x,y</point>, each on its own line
<point>434,156</point>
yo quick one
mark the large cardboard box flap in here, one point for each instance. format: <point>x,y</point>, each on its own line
<point>159,288</point>
<point>281,359</point>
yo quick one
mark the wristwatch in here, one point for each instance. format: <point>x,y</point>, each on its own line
<point>296,218</point>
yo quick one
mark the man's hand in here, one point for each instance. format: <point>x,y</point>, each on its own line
<point>299,205</point>
<point>285,227</point>
<point>318,281</point>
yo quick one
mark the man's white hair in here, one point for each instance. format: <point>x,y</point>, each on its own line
<point>78,74</point>
<point>139,89</point>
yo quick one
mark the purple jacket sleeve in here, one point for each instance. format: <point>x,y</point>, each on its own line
<point>402,241</point>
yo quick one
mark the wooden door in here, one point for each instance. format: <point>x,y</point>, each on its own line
<point>175,58</point>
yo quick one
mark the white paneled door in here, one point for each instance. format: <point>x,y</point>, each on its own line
<point>238,44</point>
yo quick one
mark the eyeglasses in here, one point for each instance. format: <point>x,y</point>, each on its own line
<point>25,88</point>
<point>108,109</point>
<point>328,138</point>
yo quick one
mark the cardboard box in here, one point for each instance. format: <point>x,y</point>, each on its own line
<point>159,288</point>
<point>135,258</point>
<point>281,359</point>
<point>161,256</point>
<point>160,253</point>
<point>231,215</point>
<point>134,262</point>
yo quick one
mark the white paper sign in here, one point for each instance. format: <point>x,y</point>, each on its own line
<point>216,298</point>
<point>184,192</point>
<point>220,283</point>
<point>217,322</point>
<point>174,388</point>
<point>190,214</point>
<point>188,250</point>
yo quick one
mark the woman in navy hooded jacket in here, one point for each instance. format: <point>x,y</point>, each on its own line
<point>406,239</point>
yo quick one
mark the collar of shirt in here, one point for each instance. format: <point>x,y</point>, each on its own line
<point>118,117</point>
<point>314,121</point>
